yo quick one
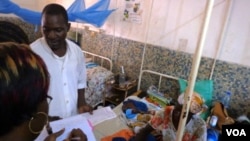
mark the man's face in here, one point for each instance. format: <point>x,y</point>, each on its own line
<point>54,29</point>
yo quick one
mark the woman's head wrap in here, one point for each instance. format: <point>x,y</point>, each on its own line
<point>197,103</point>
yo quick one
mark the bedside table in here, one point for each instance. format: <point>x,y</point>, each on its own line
<point>118,94</point>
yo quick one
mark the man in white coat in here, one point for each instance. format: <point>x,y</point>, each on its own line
<point>65,62</point>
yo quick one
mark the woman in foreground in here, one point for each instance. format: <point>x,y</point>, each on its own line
<point>24,82</point>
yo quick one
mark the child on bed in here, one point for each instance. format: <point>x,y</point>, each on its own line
<point>166,122</point>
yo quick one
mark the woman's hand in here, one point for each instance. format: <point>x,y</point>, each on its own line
<point>52,137</point>
<point>77,135</point>
<point>85,108</point>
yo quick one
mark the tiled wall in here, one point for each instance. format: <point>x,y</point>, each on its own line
<point>226,76</point>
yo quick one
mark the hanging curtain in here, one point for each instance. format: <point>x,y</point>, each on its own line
<point>96,15</point>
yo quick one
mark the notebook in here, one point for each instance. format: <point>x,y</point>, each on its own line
<point>78,121</point>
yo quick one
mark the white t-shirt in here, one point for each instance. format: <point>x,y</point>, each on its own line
<point>67,75</point>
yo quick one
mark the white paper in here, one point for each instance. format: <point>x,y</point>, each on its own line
<point>100,115</point>
<point>78,121</point>
<point>83,121</point>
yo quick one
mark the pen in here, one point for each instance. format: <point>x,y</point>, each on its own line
<point>49,129</point>
<point>75,139</point>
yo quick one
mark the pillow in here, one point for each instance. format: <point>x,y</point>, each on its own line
<point>205,89</point>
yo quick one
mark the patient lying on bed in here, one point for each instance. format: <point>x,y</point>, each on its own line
<point>166,122</point>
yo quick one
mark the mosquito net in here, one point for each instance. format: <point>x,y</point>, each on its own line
<point>96,14</point>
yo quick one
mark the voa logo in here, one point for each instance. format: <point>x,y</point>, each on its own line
<point>236,132</point>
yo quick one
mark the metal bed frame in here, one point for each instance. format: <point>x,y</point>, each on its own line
<point>156,73</point>
<point>103,59</point>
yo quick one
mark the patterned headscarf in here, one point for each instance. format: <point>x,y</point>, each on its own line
<point>196,105</point>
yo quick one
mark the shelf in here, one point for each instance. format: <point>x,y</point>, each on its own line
<point>118,94</point>
<point>115,99</point>
<point>128,85</point>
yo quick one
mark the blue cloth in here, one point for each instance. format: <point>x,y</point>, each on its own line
<point>212,135</point>
<point>90,65</point>
<point>96,15</point>
<point>118,139</point>
<point>77,5</point>
<point>141,106</point>
<point>129,114</point>
<point>150,137</point>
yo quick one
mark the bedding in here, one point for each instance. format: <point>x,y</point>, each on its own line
<point>97,76</point>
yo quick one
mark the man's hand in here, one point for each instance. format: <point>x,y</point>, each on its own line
<point>85,108</point>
